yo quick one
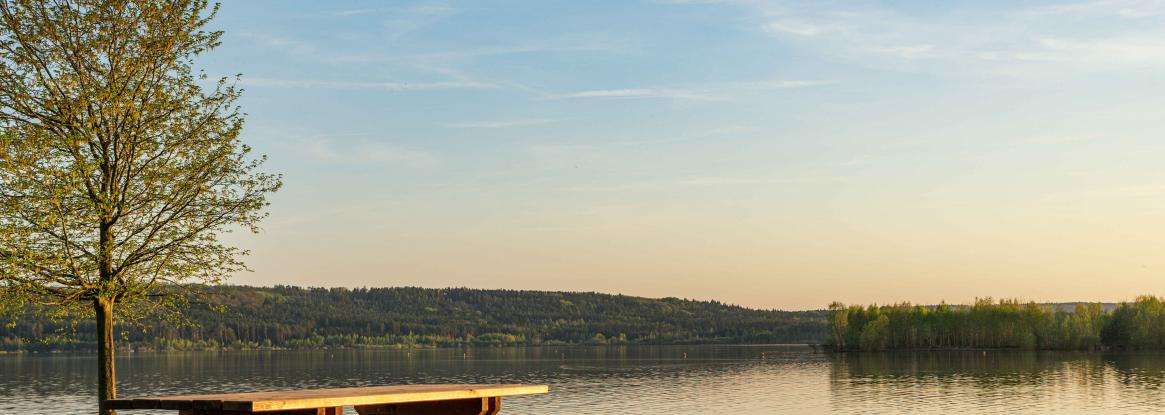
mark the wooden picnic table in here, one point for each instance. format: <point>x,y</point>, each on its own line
<point>375,400</point>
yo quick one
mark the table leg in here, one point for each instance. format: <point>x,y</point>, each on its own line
<point>495,406</point>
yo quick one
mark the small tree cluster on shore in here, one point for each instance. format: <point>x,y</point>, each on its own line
<point>1006,324</point>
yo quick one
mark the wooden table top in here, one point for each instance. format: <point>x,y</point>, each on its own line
<point>321,398</point>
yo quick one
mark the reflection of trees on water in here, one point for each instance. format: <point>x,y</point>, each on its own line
<point>671,379</point>
<point>207,372</point>
<point>1142,370</point>
<point>678,379</point>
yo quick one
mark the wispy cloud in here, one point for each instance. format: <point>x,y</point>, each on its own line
<point>585,43</point>
<point>355,12</point>
<point>411,20</point>
<point>354,150</point>
<point>1112,50</point>
<point>365,86</point>
<point>719,91</point>
<point>381,153</point>
<point>868,35</point>
<point>710,181</point>
<point>903,51</point>
<point>399,21</point>
<point>573,43</point>
<point>286,45</point>
<point>1131,9</point>
<point>502,123</point>
<point>1095,54</point>
<point>693,1</point>
<point>782,84</point>
<point>754,181</point>
<point>419,9</point>
<point>1056,139</point>
<point>1021,40</point>
<point>636,93</point>
<point>450,64</point>
<point>800,28</point>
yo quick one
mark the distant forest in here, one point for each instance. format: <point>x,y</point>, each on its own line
<point>1006,324</point>
<point>243,317</point>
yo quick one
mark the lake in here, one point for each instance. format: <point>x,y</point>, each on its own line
<point>636,379</point>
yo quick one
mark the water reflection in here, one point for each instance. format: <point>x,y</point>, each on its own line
<point>638,380</point>
<point>998,381</point>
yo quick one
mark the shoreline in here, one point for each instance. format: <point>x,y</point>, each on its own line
<point>123,352</point>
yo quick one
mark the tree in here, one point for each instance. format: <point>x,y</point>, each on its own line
<point>839,324</point>
<point>121,167</point>
<point>876,333</point>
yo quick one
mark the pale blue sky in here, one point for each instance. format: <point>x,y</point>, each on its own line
<point>774,154</point>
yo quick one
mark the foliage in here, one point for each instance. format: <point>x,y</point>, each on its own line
<point>292,317</point>
<point>1005,324</point>
<point>119,172</point>
<point>1137,325</point>
<point>121,167</point>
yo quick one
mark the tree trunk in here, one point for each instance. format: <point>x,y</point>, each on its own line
<point>106,375</point>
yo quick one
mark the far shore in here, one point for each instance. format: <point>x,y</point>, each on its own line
<point>402,348</point>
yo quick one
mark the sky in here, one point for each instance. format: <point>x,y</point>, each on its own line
<point>769,154</point>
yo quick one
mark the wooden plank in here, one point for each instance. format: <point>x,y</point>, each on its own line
<point>328,398</point>
<point>394,394</point>
<point>338,410</point>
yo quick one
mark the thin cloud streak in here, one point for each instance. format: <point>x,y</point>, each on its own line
<point>329,150</point>
<point>1129,9</point>
<point>294,47</point>
<point>800,28</point>
<point>1020,42</point>
<point>502,123</point>
<point>748,181</point>
<point>710,92</point>
<point>636,93</point>
<point>366,86</point>
<point>421,9</point>
<point>699,182</point>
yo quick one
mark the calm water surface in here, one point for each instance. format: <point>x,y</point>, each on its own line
<point>637,380</point>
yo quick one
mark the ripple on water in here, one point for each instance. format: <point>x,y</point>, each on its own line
<point>645,380</point>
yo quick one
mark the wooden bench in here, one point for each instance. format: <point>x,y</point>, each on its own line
<point>376,400</point>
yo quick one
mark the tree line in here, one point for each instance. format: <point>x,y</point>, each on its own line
<point>1003,324</point>
<point>294,317</point>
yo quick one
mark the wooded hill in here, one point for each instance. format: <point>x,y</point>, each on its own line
<point>293,317</point>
